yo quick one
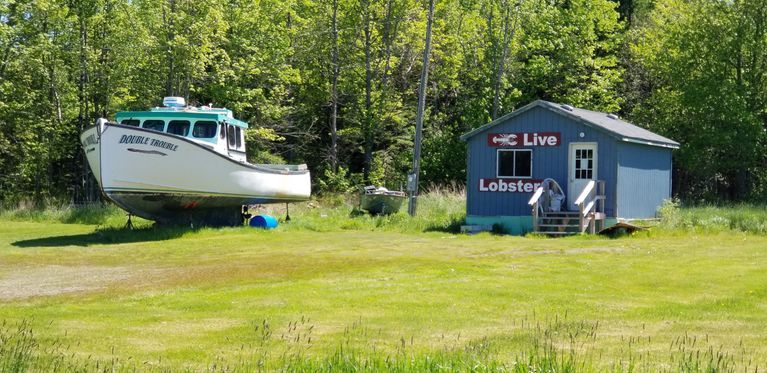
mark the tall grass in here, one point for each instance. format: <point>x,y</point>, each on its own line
<point>439,209</point>
<point>16,347</point>
<point>558,345</point>
<point>713,219</point>
<point>95,214</point>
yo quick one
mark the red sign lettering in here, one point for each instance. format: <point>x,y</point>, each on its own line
<point>523,139</point>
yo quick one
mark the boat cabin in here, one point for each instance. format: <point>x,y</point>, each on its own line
<point>214,128</point>
<point>556,169</point>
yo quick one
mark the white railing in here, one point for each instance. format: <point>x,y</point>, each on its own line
<point>534,203</point>
<point>585,192</point>
<point>590,204</point>
<point>591,209</point>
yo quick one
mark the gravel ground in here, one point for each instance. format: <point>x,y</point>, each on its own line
<point>53,280</point>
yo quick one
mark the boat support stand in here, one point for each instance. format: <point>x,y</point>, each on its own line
<point>129,223</point>
<point>287,212</point>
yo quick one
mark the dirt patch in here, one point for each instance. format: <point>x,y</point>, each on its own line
<point>56,280</point>
<point>583,250</point>
<point>570,251</point>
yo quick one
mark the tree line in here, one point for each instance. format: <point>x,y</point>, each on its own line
<point>333,83</point>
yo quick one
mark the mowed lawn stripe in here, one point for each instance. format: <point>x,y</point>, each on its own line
<point>195,295</point>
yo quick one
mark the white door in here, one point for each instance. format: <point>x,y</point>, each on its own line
<point>582,168</point>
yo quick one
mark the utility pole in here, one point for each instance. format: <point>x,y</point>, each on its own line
<point>334,93</point>
<point>413,177</point>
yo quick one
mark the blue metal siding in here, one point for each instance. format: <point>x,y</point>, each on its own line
<point>547,162</point>
<point>644,180</point>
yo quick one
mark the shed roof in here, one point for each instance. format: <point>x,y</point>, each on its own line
<point>618,128</point>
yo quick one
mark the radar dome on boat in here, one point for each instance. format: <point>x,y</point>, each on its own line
<point>173,102</point>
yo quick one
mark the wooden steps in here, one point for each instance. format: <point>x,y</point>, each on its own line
<point>560,223</point>
<point>591,206</point>
<point>566,223</point>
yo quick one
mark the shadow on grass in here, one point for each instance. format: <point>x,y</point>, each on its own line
<point>108,236</point>
<point>452,226</point>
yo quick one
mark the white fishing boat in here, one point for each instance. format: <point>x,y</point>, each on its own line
<point>181,164</point>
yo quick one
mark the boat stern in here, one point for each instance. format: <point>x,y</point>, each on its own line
<point>90,140</point>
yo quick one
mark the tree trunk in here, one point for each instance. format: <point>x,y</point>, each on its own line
<point>167,18</point>
<point>368,131</point>
<point>102,95</point>
<point>53,92</point>
<point>12,25</point>
<point>419,113</point>
<point>739,185</point>
<point>91,193</point>
<point>334,94</point>
<point>508,38</point>
<point>389,35</point>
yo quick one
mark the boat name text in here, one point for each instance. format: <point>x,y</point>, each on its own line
<point>143,140</point>
<point>90,140</point>
<point>524,139</point>
<point>509,185</point>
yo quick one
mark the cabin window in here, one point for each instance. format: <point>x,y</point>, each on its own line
<point>179,127</point>
<point>223,130</point>
<point>239,137</point>
<point>130,122</point>
<point>231,135</point>
<point>204,129</point>
<point>154,125</point>
<point>515,163</point>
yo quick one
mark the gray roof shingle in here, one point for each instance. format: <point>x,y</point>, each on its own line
<point>610,123</point>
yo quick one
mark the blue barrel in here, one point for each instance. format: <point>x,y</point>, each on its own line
<point>263,221</point>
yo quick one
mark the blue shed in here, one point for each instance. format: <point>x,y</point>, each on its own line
<point>606,170</point>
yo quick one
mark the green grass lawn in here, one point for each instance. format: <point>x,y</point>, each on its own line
<point>313,291</point>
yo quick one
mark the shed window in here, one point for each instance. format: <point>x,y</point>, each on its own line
<point>584,164</point>
<point>204,129</point>
<point>515,163</point>
<point>179,127</point>
<point>130,122</point>
<point>154,124</point>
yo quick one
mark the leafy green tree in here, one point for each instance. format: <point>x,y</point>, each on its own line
<point>707,61</point>
<point>340,92</point>
<point>569,53</point>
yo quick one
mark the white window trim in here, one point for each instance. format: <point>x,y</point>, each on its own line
<point>498,163</point>
<point>571,164</point>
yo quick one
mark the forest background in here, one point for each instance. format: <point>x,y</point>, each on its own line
<point>694,71</point>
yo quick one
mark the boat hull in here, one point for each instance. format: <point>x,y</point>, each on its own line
<point>381,204</point>
<point>171,179</point>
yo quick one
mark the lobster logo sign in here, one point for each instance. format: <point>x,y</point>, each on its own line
<point>524,139</point>
<point>504,139</point>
